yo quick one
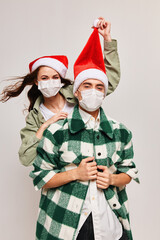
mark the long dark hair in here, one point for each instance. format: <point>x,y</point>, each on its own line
<point>16,89</point>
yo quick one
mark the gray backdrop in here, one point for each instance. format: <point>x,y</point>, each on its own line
<point>33,28</point>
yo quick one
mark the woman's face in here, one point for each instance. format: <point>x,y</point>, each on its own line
<point>47,73</point>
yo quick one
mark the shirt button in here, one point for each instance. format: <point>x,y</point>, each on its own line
<point>99,154</point>
<point>85,213</point>
<point>93,198</point>
<point>114,205</point>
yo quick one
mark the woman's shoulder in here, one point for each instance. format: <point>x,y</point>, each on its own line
<point>67,92</point>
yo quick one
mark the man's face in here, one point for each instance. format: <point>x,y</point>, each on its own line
<point>89,84</point>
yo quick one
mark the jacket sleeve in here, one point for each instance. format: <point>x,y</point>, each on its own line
<point>126,164</point>
<point>112,65</point>
<point>46,162</point>
<point>27,151</point>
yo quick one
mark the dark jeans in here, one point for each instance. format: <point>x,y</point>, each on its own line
<point>87,233</point>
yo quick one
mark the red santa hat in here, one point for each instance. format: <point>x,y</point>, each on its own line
<point>90,63</point>
<point>58,63</point>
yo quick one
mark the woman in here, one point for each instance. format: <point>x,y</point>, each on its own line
<point>45,109</point>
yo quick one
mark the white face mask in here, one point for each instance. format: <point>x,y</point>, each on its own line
<point>50,88</point>
<point>91,99</point>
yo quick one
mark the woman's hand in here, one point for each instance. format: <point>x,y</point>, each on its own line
<point>104,28</point>
<point>103,178</point>
<point>87,169</point>
<point>55,118</point>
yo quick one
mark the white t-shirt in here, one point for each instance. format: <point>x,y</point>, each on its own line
<point>47,114</point>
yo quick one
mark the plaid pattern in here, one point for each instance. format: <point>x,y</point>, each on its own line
<point>62,148</point>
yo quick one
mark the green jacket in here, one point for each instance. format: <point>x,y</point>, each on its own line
<point>63,146</point>
<point>34,120</point>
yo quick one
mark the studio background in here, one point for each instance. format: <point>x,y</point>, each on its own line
<point>33,28</point>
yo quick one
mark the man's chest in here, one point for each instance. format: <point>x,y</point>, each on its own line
<point>89,143</point>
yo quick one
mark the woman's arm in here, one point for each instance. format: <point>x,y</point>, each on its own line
<point>47,172</point>
<point>120,179</point>
<point>111,58</point>
<point>27,151</point>
<point>55,118</point>
<point>105,178</point>
<point>31,135</point>
<point>85,171</point>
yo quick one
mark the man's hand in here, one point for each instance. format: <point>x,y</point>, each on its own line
<point>104,28</point>
<point>87,169</point>
<point>103,178</point>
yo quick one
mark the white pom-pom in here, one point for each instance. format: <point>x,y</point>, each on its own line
<point>95,23</point>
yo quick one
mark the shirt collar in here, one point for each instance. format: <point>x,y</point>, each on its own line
<point>78,122</point>
<point>86,117</point>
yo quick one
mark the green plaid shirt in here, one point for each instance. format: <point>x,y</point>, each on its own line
<point>62,148</point>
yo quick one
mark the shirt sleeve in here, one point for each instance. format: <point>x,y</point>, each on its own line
<point>27,151</point>
<point>46,162</point>
<point>112,65</point>
<point>126,164</point>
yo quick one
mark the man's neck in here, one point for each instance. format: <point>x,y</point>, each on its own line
<point>94,113</point>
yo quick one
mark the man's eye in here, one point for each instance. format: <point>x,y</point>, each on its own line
<point>43,78</point>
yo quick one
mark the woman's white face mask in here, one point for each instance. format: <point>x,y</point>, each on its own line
<point>50,88</point>
<point>91,99</point>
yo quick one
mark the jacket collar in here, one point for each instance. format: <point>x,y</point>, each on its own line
<point>37,103</point>
<point>76,123</point>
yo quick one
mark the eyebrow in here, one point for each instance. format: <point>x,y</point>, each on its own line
<point>86,83</point>
<point>100,85</point>
<point>55,75</point>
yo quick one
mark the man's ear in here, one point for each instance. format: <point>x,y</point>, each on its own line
<point>76,94</point>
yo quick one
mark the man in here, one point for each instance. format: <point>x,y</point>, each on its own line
<point>84,163</point>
